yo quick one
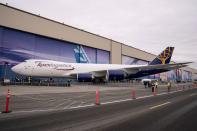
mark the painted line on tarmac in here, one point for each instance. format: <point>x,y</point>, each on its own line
<point>61,104</point>
<point>51,100</point>
<point>141,97</point>
<point>153,107</point>
<point>77,107</point>
<point>116,101</point>
<point>31,111</point>
<point>81,103</point>
<point>93,105</point>
<point>44,110</point>
<point>69,105</point>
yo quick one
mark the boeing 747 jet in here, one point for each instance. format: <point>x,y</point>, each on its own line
<point>50,68</point>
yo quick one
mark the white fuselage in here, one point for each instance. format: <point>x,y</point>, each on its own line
<point>49,68</point>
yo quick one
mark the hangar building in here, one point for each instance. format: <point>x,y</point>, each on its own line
<point>24,35</point>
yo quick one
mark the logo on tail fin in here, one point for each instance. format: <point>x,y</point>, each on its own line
<point>165,55</point>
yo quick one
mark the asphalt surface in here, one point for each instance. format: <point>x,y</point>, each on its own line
<point>176,114</point>
<point>166,112</point>
<point>66,100</point>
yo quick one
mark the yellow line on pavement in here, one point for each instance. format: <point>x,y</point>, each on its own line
<point>160,105</point>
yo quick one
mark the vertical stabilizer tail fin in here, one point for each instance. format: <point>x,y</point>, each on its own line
<point>164,57</point>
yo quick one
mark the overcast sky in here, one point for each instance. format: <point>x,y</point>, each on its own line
<point>150,25</point>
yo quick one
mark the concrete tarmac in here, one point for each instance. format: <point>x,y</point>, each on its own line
<point>32,99</point>
<point>171,111</point>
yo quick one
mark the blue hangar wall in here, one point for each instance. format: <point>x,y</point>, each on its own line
<point>17,46</point>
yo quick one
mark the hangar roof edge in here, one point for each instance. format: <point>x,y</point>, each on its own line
<point>72,27</point>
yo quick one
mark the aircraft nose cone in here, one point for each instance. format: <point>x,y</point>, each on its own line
<point>15,69</point>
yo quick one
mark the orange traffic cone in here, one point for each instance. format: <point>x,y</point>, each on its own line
<point>97,102</point>
<point>7,103</point>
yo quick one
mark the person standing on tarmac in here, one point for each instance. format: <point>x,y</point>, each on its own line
<point>169,86</point>
<point>156,84</point>
<point>153,86</point>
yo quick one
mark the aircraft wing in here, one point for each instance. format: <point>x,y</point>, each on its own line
<point>135,69</point>
<point>169,67</point>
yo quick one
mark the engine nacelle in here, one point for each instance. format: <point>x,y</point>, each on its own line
<point>110,75</point>
<point>84,77</point>
<point>116,75</point>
